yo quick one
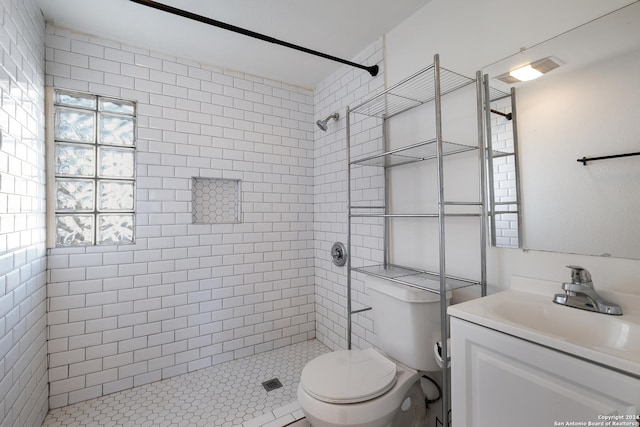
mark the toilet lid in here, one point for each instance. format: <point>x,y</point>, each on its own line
<point>348,376</point>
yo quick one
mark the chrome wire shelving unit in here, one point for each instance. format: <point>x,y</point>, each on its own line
<point>426,150</point>
<point>426,86</point>
<point>412,92</point>
<point>408,276</point>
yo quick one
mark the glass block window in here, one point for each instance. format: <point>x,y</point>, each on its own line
<point>93,162</point>
<point>215,200</point>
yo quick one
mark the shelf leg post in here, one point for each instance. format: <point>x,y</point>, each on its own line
<point>444,333</point>
<point>349,252</point>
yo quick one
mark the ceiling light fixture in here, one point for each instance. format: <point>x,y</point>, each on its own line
<point>526,73</point>
<point>530,71</point>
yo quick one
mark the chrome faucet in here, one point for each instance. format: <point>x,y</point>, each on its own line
<point>580,293</point>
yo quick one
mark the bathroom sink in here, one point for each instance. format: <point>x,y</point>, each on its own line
<point>609,340</point>
<point>578,326</point>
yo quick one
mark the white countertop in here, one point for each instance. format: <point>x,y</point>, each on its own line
<point>528,312</point>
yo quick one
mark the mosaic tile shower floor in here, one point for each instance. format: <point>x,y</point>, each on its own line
<point>227,395</point>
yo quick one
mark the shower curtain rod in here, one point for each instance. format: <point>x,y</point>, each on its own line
<point>373,70</point>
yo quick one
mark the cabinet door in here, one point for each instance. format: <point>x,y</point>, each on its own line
<point>500,380</point>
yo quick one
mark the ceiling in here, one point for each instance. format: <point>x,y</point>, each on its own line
<point>341,28</point>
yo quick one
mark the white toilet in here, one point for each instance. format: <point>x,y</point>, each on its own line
<point>366,388</point>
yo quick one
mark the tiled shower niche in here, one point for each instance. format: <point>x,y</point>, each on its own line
<point>215,200</point>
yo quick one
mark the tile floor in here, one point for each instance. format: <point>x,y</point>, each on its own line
<point>227,395</point>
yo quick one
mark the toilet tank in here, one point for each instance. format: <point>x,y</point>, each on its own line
<point>406,322</point>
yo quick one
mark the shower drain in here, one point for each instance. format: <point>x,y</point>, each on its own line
<point>272,384</point>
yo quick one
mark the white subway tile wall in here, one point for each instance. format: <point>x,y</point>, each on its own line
<point>185,296</point>
<point>23,328</point>
<point>346,87</point>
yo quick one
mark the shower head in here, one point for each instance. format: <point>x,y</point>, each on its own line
<point>322,124</point>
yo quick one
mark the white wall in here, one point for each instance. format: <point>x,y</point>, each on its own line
<point>470,35</point>
<point>23,351</point>
<point>185,296</point>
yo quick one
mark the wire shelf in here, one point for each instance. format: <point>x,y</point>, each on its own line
<point>496,154</point>
<point>411,92</point>
<point>425,150</point>
<point>495,94</point>
<point>415,278</point>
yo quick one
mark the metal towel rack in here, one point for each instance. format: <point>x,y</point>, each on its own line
<point>584,160</point>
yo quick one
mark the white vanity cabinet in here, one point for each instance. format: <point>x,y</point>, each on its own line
<point>501,380</point>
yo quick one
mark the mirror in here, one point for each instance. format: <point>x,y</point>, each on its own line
<point>587,107</point>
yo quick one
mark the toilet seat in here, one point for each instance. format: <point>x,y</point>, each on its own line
<point>348,376</point>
